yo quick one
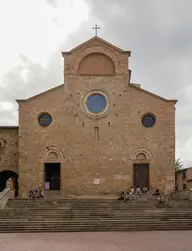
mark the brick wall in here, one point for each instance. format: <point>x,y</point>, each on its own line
<point>184,179</point>
<point>121,134</point>
<point>9,155</point>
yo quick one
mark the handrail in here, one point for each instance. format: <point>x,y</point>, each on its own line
<point>5,191</point>
<point>7,194</point>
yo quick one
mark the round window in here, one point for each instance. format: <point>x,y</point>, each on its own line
<point>148,120</point>
<point>96,103</point>
<point>45,119</point>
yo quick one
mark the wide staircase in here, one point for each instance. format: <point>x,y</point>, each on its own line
<point>65,215</point>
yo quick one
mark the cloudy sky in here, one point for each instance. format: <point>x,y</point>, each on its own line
<point>159,34</point>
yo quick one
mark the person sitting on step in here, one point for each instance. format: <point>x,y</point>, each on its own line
<point>157,192</point>
<point>121,196</point>
<point>138,190</point>
<point>126,196</point>
<point>41,194</point>
<point>30,193</point>
<point>132,190</point>
<point>162,200</point>
<point>35,193</point>
<point>145,190</point>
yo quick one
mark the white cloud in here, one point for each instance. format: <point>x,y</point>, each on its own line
<point>6,106</point>
<point>35,29</point>
<point>157,33</point>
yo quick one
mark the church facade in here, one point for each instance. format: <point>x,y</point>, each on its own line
<point>97,133</point>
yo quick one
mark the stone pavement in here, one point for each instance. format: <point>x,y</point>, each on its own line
<point>113,241</point>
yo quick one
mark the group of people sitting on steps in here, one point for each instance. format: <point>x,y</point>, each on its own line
<point>133,193</point>
<point>36,193</point>
<point>160,198</point>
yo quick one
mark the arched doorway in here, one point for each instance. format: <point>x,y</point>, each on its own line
<point>52,159</point>
<point>4,176</point>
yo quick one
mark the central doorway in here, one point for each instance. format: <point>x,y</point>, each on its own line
<point>141,175</point>
<point>52,175</point>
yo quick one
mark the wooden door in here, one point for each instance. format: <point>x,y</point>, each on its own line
<point>52,175</point>
<point>141,175</point>
<point>55,180</point>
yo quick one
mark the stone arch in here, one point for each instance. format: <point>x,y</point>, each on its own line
<point>141,156</point>
<point>51,153</point>
<point>142,153</point>
<point>96,64</point>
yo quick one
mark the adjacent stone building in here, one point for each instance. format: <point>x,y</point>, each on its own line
<point>183,179</point>
<point>8,154</point>
<point>98,133</point>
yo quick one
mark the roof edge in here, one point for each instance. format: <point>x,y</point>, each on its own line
<point>100,39</point>
<point>37,95</point>
<point>153,94</point>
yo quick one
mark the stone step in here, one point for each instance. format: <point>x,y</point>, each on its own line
<point>107,210</point>
<point>78,200</point>
<point>90,202</point>
<point>88,228</point>
<point>92,225</point>
<point>123,205</point>
<point>95,202</point>
<point>79,204</point>
<point>137,210</point>
<point>94,220</point>
<point>95,215</point>
<point>32,208</point>
<point>82,206</point>
<point>46,203</point>
<point>129,213</point>
<point>35,202</point>
<point>91,218</point>
<point>92,212</point>
<point>61,215</point>
<point>29,219</point>
<point>112,224</point>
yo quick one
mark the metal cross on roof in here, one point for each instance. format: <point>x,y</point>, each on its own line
<point>96,28</point>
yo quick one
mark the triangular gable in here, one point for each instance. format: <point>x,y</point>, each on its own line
<point>137,87</point>
<point>96,38</point>
<point>40,94</point>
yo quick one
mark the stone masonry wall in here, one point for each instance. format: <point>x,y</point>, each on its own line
<point>121,134</point>
<point>9,155</point>
<point>111,158</point>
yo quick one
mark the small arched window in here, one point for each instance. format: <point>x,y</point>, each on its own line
<point>96,64</point>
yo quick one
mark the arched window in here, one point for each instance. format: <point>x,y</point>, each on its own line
<point>96,64</point>
<point>141,156</point>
